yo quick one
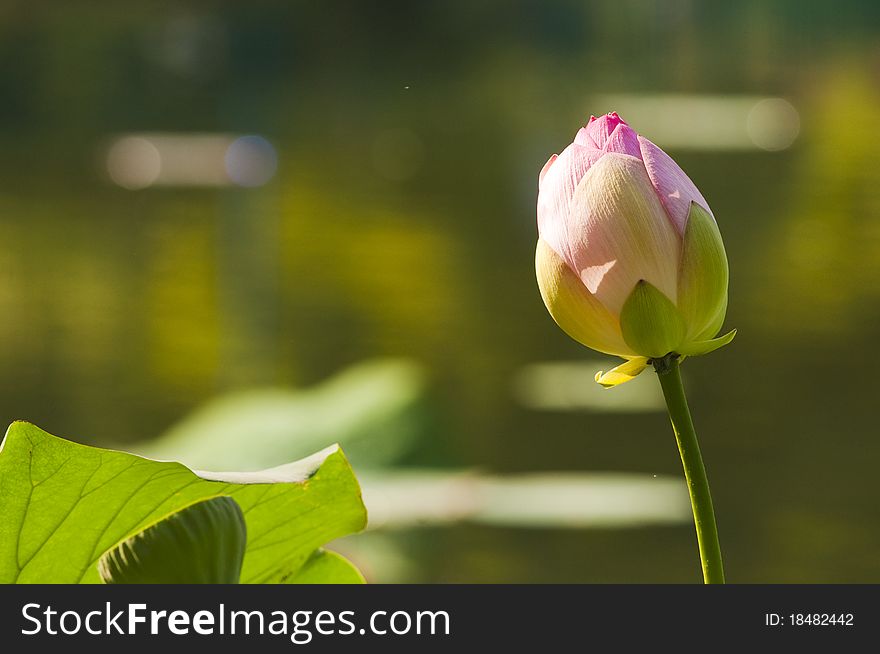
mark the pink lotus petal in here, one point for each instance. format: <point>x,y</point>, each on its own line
<point>555,191</point>
<point>602,127</point>
<point>673,186</point>
<point>623,140</point>
<point>583,138</point>
<point>546,167</point>
<point>618,233</point>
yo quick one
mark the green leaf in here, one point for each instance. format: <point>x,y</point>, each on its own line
<point>62,505</point>
<point>325,567</point>
<point>702,282</point>
<point>203,543</point>
<point>698,348</point>
<point>650,323</point>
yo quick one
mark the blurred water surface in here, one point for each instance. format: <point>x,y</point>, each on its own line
<point>382,204</point>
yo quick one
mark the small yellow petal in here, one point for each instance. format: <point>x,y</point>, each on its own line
<point>622,373</point>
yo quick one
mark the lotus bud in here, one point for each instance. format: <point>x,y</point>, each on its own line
<point>629,260</point>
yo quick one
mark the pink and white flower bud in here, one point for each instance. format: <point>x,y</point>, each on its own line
<point>629,258</point>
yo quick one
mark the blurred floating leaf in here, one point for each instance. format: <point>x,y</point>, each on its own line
<point>571,386</point>
<point>577,500</point>
<point>62,505</point>
<point>564,500</point>
<point>203,543</point>
<point>374,410</point>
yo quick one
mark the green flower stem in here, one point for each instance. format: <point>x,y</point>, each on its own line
<point>698,484</point>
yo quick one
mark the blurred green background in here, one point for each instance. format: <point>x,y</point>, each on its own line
<point>319,218</point>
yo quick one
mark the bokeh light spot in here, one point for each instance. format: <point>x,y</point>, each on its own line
<point>251,161</point>
<point>773,124</point>
<point>134,162</point>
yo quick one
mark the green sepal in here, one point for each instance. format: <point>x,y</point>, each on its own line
<point>623,373</point>
<point>698,348</point>
<point>202,543</point>
<point>703,279</point>
<point>713,327</point>
<point>650,323</point>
